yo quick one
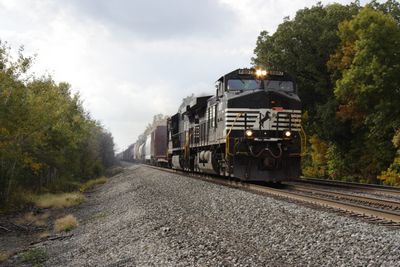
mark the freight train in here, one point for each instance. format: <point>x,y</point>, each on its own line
<point>127,154</point>
<point>249,129</point>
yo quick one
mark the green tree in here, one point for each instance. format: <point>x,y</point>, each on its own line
<point>391,7</point>
<point>47,140</point>
<point>302,46</point>
<point>366,67</point>
<point>14,113</point>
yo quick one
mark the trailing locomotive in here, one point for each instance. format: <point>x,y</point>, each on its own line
<point>250,129</point>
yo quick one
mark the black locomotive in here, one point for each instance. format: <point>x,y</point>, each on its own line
<point>250,129</point>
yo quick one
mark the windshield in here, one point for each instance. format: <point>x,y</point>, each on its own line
<point>239,84</point>
<point>244,84</point>
<point>286,86</point>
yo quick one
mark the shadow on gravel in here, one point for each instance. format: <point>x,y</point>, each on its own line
<point>271,184</point>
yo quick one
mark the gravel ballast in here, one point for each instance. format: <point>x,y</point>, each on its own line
<point>146,217</point>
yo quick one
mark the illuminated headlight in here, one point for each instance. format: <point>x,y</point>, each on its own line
<point>288,133</point>
<point>260,72</point>
<point>249,133</point>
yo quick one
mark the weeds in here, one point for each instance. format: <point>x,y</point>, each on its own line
<point>33,219</point>
<point>4,255</point>
<point>63,200</point>
<point>22,198</point>
<point>112,171</point>
<point>18,199</point>
<point>98,216</point>
<point>92,183</point>
<point>35,256</point>
<point>43,235</point>
<point>66,223</point>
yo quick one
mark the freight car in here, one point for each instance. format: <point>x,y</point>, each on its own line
<point>156,146</point>
<point>136,153</point>
<point>141,156</point>
<point>128,154</point>
<point>250,129</point>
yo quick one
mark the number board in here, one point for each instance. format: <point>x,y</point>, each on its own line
<point>275,72</point>
<point>246,71</point>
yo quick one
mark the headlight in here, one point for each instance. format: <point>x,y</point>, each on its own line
<point>261,72</point>
<point>288,134</point>
<point>249,133</point>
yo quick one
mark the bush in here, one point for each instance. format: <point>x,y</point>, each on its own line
<point>66,223</point>
<point>18,199</point>
<point>62,186</point>
<point>317,166</point>
<point>392,175</point>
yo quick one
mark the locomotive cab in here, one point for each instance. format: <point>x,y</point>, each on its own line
<point>262,125</point>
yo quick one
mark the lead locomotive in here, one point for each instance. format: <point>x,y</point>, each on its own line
<point>250,129</point>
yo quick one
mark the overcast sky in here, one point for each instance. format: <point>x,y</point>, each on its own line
<point>132,59</point>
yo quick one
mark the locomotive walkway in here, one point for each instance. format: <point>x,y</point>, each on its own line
<point>146,217</point>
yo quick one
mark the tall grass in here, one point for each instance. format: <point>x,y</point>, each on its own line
<point>92,183</point>
<point>20,198</point>
<point>4,255</point>
<point>63,200</point>
<point>33,219</point>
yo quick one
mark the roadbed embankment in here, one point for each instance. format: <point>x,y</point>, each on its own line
<point>146,217</point>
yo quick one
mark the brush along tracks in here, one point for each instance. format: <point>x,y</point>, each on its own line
<point>379,211</point>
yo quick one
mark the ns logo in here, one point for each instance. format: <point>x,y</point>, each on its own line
<point>267,116</point>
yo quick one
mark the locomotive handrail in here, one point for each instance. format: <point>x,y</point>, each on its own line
<point>236,143</point>
<point>303,144</point>
<point>227,136</point>
<point>187,143</point>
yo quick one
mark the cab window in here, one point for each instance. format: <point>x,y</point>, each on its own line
<point>239,84</point>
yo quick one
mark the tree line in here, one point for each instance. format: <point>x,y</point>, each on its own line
<point>346,60</point>
<point>48,142</point>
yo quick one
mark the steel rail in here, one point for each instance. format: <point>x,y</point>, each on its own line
<point>372,187</point>
<point>350,196</point>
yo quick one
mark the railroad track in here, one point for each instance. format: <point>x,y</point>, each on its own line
<point>379,211</point>
<point>388,190</point>
<point>351,197</point>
